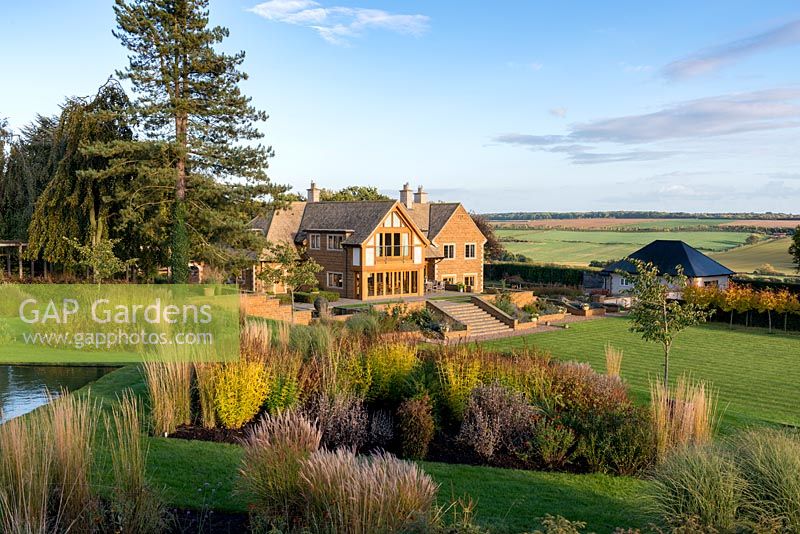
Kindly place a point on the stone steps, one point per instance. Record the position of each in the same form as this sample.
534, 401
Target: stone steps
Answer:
479, 322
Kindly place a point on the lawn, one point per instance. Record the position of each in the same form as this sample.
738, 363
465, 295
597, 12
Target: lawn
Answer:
757, 374
748, 258
581, 247
197, 474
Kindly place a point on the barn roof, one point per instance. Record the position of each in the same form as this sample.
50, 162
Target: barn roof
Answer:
666, 255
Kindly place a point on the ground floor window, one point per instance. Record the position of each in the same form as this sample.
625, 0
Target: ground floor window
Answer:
449, 279
335, 280
357, 282
469, 280
392, 283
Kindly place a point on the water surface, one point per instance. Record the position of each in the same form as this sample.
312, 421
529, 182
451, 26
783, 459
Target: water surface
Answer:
24, 388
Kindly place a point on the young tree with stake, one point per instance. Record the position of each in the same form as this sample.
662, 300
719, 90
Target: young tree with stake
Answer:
656, 316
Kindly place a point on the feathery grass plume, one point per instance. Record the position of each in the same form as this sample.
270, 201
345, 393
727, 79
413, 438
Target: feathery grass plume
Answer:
379, 494
613, 360
255, 340
698, 485
169, 382
684, 414
205, 383
72, 423
274, 451
134, 507
26, 469
769, 461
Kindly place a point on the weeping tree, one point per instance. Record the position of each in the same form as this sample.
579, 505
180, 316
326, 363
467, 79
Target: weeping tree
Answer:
188, 97
79, 200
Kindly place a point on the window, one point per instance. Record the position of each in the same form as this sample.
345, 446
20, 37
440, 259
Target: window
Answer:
469, 280
392, 283
393, 244
335, 242
335, 280
469, 250
449, 279
711, 283
313, 241
624, 281
449, 251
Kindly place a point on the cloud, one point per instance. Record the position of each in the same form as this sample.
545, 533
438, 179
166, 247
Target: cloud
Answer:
558, 112
704, 118
635, 68
712, 59
339, 24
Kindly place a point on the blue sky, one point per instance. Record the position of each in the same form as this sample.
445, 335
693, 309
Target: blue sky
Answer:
507, 106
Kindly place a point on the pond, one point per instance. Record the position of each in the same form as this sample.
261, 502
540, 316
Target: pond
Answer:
24, 388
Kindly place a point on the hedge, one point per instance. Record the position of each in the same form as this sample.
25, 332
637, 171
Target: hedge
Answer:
303, 296
533, 273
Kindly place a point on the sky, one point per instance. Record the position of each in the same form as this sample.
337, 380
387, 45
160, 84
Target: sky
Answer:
505, 106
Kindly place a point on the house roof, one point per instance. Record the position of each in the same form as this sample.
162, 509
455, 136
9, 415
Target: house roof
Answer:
666, 255
357, 219
431, 218
282, 225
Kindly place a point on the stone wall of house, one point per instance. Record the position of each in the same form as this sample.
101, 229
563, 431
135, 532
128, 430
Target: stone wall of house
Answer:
271, 308
331, 261
459, 231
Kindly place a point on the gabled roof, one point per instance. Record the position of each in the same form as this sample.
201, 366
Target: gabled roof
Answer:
666, 255
358, 219
431, 218
280, 226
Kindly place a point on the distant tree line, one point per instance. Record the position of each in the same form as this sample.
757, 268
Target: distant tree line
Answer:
538, 215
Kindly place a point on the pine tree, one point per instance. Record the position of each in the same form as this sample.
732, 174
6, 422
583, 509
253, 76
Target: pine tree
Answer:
189, 96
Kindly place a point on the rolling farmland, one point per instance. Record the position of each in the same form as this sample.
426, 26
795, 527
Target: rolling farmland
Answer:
577, 242
572, 247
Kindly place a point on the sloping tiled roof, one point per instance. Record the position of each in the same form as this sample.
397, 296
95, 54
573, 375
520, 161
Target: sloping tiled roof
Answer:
431, 217
666, 255
282, 225
357, 218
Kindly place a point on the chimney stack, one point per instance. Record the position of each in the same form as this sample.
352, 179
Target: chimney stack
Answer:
313, 193
405, 196
420, 197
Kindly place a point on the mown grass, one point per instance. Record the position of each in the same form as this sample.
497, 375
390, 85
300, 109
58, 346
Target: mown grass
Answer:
756, 373
202, 475
580, 247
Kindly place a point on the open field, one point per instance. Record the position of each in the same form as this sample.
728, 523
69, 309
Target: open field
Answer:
750, 257
759, 223
579, 248
200, 474
602, 223
756, 373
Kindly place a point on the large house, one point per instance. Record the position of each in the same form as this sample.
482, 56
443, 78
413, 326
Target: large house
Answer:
666, 255
379, 249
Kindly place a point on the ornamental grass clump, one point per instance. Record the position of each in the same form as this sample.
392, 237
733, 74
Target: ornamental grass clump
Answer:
698, 485
685, 414
345, 493
26, 469
274, 452
134, 508
205, 385
169, 383
769, 461
342, 419
613, 360
459, 373
71, 422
